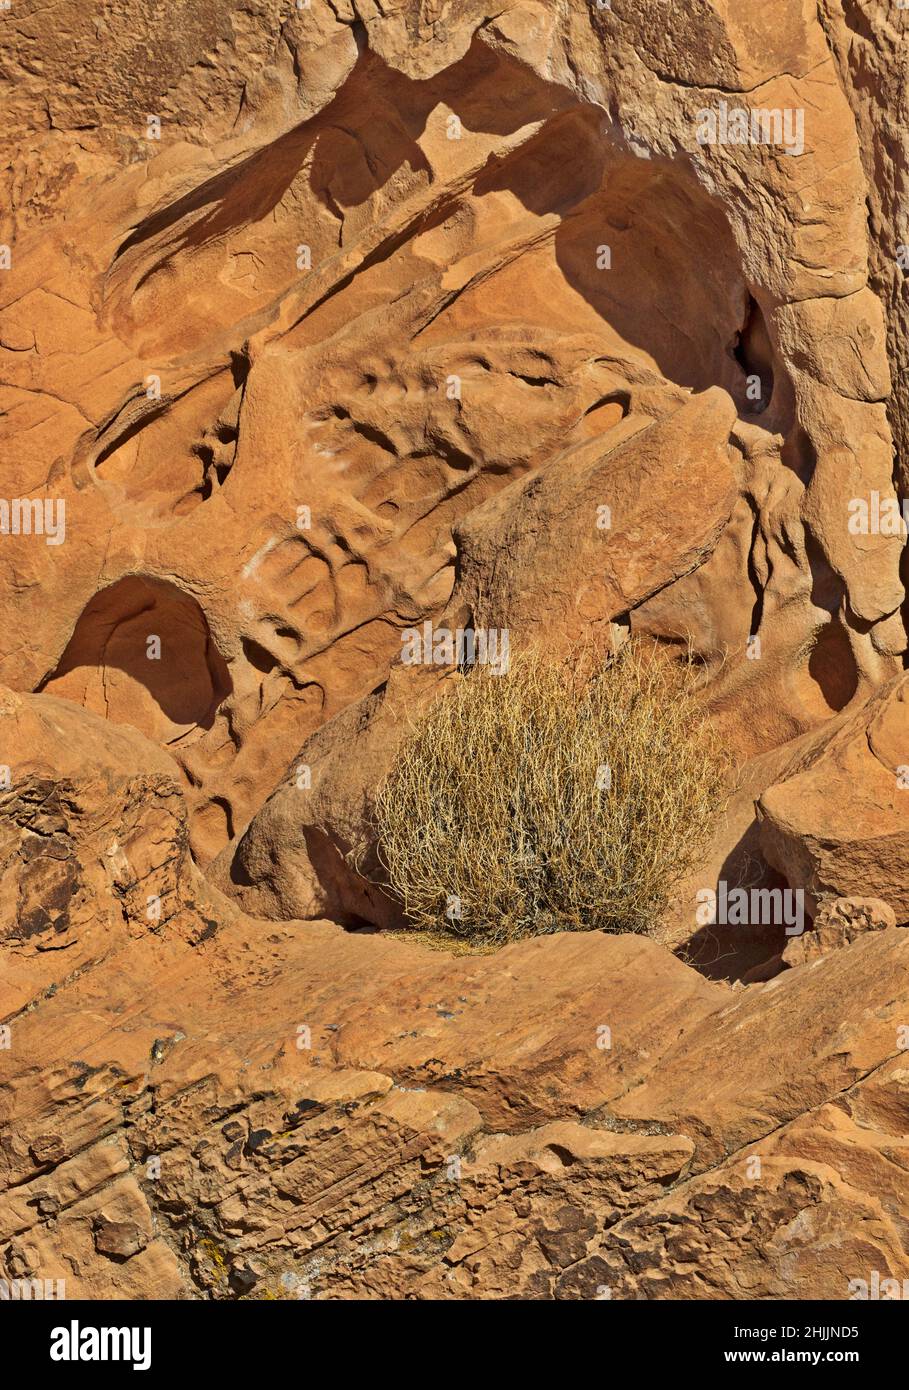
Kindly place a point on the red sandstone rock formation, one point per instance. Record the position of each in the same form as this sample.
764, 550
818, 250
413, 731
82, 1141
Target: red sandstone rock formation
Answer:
321, 322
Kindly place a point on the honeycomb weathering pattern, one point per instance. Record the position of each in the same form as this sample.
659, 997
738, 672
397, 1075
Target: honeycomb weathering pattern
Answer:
323, 321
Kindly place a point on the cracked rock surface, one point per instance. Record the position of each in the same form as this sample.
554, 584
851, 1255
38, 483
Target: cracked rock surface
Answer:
218, 1107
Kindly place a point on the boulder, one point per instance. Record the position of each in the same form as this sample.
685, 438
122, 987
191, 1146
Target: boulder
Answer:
836, 823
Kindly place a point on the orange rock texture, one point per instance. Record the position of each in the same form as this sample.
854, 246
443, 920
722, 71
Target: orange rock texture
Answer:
325, 320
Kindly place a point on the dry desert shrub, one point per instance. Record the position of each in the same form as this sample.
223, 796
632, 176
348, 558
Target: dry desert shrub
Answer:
561, 796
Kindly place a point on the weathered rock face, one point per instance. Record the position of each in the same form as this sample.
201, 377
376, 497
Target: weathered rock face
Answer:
837, 823
201, 1106
838, 923
642, 550
377, 268
320, 322
868, 45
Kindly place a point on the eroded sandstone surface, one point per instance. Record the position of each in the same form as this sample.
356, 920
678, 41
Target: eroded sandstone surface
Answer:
323, 321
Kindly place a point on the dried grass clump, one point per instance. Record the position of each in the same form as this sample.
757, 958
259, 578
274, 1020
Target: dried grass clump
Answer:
561, 796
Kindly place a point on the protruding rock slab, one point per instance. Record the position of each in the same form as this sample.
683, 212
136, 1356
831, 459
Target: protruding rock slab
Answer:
837, 822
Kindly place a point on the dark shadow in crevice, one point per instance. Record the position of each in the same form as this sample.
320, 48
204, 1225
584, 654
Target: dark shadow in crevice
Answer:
753, 352
728, 952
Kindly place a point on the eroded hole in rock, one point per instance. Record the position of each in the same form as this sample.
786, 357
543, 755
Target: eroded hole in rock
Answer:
831, 669
141, 653
754, 353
